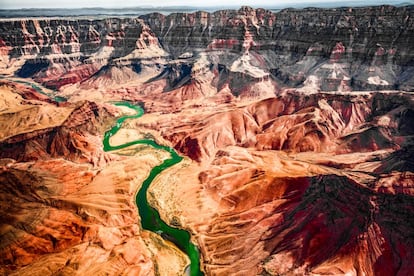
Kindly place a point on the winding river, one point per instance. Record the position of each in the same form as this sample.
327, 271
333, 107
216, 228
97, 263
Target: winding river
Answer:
150, 218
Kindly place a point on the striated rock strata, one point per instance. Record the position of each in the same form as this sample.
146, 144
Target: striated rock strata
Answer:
328, 49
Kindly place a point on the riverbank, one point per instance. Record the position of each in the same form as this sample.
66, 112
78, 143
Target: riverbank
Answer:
150, 218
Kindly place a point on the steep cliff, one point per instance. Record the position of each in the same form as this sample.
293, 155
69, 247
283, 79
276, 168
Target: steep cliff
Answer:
36, 130
332, 49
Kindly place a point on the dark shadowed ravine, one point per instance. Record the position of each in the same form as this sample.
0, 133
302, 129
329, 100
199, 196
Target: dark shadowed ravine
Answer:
150, 218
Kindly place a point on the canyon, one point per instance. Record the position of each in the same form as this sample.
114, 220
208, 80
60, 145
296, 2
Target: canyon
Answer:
295, 131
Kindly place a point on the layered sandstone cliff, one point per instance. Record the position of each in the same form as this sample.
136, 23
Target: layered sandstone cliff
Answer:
332, 49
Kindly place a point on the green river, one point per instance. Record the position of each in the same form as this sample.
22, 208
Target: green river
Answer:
150, 218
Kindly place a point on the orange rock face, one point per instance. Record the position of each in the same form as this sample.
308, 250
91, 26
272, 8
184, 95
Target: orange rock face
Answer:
66, 206
316, 224
295, 122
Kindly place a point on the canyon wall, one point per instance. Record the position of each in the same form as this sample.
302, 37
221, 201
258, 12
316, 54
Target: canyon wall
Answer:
330, 49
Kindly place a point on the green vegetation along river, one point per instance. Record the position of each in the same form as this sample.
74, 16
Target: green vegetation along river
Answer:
150, 218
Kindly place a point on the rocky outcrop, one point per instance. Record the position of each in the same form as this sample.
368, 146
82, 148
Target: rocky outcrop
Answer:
364, 48
57, 52
272, 212
63, 217
304, 225
303, 184
73, 134
298, 123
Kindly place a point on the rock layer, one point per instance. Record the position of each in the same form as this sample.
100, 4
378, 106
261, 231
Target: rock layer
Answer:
332, 49
295, 122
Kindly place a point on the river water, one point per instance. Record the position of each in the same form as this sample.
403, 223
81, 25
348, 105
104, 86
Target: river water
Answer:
150, 218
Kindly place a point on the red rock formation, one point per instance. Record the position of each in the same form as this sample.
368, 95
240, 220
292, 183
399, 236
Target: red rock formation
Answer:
275, 208
75, 139
268, 221
294, 122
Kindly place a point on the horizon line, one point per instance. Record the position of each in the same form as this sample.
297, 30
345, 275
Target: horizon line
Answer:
319, 3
